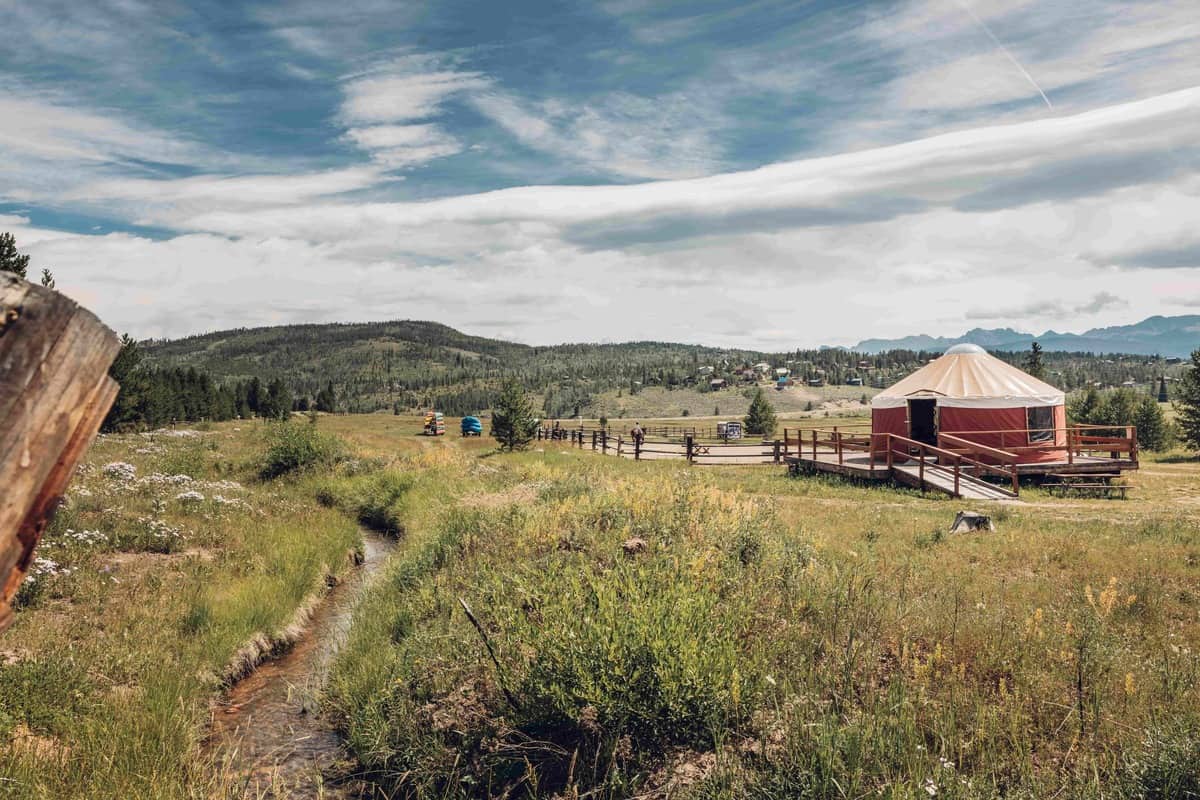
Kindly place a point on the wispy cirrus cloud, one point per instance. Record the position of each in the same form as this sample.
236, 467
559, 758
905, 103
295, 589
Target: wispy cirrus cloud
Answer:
389, 109
371, 159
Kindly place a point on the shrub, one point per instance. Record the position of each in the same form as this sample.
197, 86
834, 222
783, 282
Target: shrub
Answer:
378, 500
293, 447
1167, 764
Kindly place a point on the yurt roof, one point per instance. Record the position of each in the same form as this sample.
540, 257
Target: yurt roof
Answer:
968, 376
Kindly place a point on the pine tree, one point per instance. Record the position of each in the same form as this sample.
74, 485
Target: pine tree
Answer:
1187, 403
1151, 424
1163, 397
125, 409
513, 425
760, 419
1033, 362
47, 279
1083, 407
11, 260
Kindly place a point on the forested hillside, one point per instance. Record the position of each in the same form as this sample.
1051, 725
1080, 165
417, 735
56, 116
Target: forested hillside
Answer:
407, 365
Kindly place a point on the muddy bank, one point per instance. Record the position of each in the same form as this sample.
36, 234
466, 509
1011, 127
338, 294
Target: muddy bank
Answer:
267, 732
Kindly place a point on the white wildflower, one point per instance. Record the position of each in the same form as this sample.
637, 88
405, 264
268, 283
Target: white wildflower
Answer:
190, 496
120, 471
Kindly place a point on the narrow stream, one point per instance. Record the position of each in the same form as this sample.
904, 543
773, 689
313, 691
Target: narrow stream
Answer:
268, 729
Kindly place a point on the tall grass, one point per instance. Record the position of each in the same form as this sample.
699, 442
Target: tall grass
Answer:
107, 675
742, 635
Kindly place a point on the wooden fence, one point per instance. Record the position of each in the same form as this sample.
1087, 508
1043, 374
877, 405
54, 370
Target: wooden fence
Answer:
688, 447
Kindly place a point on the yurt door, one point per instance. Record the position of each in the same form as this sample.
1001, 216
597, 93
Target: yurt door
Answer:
922, 421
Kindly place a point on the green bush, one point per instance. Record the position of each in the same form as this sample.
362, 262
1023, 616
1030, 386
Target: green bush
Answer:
378, 500
1167, 765
292, 447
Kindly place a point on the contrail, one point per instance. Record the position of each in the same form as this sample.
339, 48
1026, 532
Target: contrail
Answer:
1006, 52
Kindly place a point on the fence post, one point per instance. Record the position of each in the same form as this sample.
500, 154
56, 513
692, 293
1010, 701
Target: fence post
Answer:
814, 443
593, 441
688, 445
637, 449
620, 442
604, 441
957, 466
921, 470
777, 459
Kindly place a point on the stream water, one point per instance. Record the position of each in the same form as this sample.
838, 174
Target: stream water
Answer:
268, 729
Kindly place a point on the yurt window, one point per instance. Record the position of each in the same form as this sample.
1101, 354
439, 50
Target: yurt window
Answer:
1040, 421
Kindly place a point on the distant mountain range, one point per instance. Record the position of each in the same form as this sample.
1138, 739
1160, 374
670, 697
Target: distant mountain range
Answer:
1164, 336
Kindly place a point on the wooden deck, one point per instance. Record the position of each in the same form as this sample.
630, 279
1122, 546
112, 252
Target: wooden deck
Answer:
938, 478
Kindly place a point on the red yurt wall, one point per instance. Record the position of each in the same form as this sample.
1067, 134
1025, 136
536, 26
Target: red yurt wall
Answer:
965, 421
888, 420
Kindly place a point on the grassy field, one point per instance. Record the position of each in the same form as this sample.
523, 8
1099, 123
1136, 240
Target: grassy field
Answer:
795, 401
646, 630
643, 629
171, 565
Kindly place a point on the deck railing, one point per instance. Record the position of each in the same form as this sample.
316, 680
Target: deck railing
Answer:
1111, 441
959, 456
952, 461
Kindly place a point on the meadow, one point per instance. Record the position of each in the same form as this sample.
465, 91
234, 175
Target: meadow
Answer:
635, 629
649, 630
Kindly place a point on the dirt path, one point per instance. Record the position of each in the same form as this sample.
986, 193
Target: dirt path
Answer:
268, 730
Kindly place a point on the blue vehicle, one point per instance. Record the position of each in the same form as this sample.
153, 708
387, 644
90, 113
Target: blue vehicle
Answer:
471, 426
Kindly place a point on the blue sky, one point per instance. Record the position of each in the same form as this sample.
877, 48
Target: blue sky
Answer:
771, 174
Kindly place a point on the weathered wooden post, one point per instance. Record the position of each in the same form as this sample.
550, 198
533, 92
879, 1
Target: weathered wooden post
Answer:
604, 441
593, 441
689, 445
637, 448
54, 393
777, 451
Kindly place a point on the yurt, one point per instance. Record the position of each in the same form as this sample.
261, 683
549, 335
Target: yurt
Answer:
974, 396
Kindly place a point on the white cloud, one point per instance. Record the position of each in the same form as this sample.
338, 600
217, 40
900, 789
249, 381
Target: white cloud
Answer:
661, 137
404, 145
388, 109
816, 251
41, 127
407, 89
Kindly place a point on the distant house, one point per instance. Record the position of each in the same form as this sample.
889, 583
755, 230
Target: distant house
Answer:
1174, 360
816, 381
749, 375
705, 370
762, 366
864, 364
1129, 384
716, 383
854, 382
782, 372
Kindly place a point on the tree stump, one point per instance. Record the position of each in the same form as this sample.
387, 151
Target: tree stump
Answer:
54, 393
967, 521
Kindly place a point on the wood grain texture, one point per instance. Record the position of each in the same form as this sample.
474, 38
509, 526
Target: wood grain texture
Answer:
54, 394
